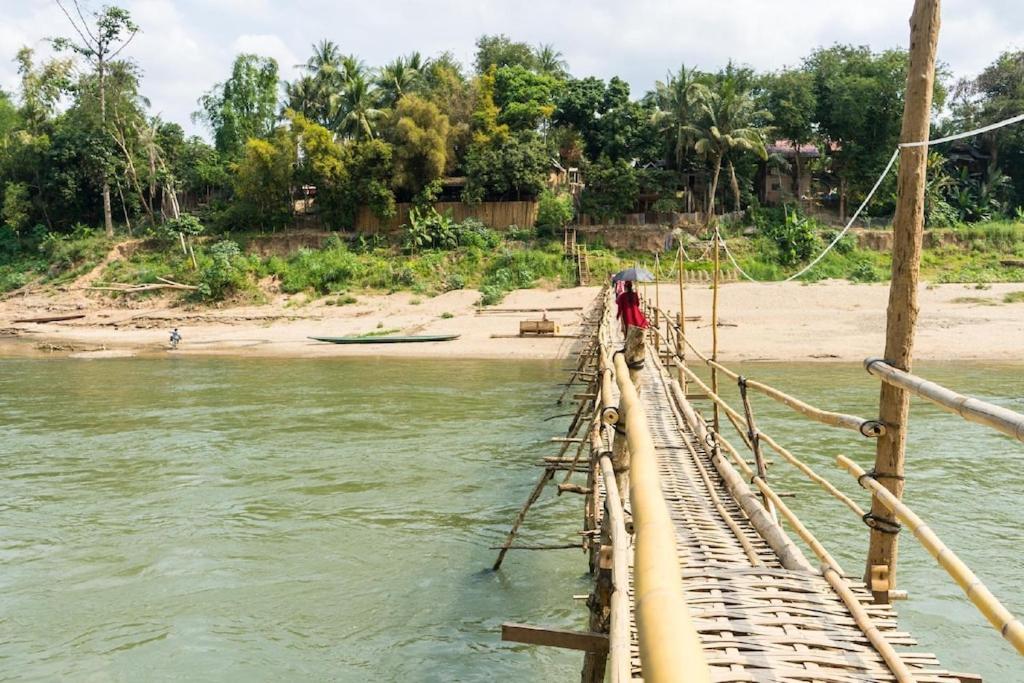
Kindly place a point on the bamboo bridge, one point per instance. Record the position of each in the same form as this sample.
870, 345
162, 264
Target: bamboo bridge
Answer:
696, 578
698, 575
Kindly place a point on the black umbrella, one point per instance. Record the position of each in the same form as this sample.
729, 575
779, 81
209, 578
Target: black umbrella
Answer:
635, 274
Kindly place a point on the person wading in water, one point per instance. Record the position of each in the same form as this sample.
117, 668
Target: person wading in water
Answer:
629, 309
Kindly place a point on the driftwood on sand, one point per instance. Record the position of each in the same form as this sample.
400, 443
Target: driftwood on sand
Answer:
131, 289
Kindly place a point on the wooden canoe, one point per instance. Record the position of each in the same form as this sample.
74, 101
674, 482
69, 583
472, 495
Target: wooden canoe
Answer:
388, 339
50, 319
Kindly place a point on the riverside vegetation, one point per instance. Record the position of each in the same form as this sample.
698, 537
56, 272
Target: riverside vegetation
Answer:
79, 148
437, 255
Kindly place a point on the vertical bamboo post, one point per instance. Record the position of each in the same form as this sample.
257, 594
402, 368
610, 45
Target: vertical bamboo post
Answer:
901, 316
714, 326
680, 343
657, 304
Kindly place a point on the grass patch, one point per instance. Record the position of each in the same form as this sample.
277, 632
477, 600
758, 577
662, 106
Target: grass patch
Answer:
978, 300
1013, 297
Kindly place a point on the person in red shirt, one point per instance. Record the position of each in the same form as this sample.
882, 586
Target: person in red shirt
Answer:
629, 309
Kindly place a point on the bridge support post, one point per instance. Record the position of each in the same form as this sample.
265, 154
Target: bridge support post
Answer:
901, 317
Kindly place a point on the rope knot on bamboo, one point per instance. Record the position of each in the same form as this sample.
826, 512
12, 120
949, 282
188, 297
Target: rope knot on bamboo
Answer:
875, 474
881, 524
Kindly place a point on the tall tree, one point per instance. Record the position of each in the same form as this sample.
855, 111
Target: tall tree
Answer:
729, 123
99, 42
789, 96
399, 77
551, 62
500, 50
678, 100
997, 93
358, 111
242, 107
419, 136
859, 96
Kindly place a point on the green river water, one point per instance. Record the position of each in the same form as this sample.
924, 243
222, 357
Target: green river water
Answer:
257, 520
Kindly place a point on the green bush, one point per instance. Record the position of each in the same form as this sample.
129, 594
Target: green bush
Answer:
224, 271
554, 211
794, 237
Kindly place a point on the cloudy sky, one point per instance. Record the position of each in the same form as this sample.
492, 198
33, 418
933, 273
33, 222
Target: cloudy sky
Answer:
187, 45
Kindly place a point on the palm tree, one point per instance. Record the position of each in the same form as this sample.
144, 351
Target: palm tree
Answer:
728, 125
356, 111
550, 61
326, 58
678, 102
300, 95
352, 68
399, 78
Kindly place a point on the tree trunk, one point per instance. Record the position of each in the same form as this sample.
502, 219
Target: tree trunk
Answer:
901, 315
714, 190
735, 187
796, 167
108, 218
842, 200
124, 208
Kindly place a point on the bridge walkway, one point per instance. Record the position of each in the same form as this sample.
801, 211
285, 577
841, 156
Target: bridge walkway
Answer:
757, 620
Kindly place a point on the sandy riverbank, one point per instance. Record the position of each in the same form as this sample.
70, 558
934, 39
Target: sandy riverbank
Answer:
828, 321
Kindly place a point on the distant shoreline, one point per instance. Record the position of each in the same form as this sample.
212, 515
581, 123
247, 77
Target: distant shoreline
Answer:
824, 322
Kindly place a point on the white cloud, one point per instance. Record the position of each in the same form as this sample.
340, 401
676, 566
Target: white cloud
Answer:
267, 45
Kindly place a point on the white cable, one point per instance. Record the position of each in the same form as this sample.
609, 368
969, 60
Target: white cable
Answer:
961, 136
892, 160
725, 245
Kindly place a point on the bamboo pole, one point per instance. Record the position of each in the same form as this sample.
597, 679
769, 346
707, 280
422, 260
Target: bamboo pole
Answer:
714, 328
609, 410
680, 347
755, 445
670, 648
971, 409
901, 316
618, 631
1009, 626
657, 303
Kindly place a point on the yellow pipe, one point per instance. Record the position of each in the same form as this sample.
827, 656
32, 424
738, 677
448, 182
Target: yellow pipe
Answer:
1009, 626
670, 648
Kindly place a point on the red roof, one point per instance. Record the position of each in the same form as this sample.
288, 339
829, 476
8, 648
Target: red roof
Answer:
787, 148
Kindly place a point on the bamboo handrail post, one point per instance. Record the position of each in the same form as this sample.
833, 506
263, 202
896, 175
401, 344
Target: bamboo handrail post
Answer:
1009, 626
657, 302
714, 329
901, 315
680, 347
755, 446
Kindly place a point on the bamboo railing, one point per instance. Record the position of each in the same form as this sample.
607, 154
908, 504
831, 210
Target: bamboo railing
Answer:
971, 409
670, 648
1008, 626
869, 428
